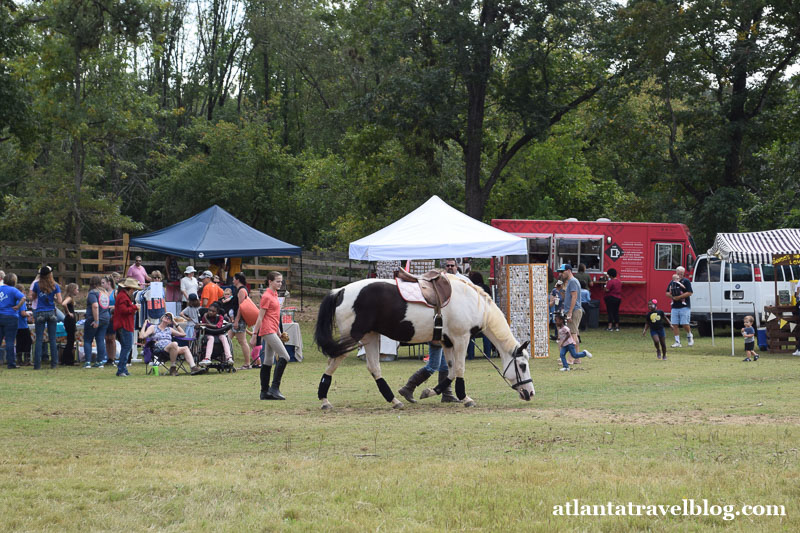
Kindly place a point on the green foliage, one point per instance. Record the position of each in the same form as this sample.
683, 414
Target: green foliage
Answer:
321, 122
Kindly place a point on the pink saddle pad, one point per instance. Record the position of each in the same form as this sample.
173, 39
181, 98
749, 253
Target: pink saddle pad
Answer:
410, 292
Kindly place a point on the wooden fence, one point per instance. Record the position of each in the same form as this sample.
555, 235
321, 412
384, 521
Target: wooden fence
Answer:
323, 271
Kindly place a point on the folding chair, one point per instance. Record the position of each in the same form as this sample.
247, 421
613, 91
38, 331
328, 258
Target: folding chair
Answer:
160, 358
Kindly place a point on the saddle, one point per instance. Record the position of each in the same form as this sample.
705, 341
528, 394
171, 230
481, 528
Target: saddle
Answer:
436, 291
434, 285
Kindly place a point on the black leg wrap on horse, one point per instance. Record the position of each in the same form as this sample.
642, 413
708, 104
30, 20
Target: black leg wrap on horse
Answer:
461, 390
444, 384
385, 389
324, 385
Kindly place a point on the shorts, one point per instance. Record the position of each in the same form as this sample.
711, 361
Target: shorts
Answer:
680, 315
749, 346
242, 327
575, 323
658, 332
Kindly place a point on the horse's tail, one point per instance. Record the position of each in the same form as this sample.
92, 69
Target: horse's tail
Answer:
323, 335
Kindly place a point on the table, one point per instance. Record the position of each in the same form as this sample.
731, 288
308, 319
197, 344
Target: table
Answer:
295, 338
388, 350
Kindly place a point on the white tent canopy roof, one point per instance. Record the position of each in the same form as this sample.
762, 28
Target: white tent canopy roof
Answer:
757, 247
436, 230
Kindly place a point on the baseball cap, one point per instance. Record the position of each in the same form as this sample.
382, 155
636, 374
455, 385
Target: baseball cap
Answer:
565, 266
206, 274
559, 282
653, 301
192, 297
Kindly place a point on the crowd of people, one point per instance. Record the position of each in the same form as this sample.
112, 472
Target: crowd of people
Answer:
117, 307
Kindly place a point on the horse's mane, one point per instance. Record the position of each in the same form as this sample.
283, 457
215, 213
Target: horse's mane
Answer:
495, 320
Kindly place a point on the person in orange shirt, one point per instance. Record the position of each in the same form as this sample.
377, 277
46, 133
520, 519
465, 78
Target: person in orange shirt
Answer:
268, 327
211, 292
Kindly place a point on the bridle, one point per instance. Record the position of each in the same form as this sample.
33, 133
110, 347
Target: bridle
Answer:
514, 359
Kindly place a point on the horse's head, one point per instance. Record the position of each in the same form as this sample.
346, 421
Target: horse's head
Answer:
517, 371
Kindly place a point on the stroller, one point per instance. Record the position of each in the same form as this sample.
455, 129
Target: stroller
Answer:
201, 333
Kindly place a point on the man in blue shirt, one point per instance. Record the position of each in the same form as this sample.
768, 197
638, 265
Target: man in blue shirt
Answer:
572, 302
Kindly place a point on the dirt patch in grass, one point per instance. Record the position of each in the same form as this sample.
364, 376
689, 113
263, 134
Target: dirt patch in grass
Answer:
670, 418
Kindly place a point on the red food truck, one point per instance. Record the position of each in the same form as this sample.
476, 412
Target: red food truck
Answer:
644, 254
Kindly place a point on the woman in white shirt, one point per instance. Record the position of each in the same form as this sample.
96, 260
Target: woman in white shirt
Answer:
188, 285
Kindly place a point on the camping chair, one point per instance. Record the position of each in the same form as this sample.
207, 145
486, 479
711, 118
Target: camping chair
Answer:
160, 358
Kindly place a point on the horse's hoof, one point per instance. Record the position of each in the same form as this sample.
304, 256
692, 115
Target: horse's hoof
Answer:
398, 405
469, 402
427, 393
326, 406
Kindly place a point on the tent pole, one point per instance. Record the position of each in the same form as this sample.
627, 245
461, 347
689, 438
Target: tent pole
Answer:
730, 303
302, 287
710, 299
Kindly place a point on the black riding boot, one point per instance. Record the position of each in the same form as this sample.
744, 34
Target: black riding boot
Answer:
274, 391
265, 371
418, 378
447, 392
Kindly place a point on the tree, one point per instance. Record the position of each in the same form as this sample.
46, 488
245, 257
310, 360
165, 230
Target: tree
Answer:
491, 76
719, 68
88, 104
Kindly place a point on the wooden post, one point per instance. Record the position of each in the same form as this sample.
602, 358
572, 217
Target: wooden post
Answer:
62, 255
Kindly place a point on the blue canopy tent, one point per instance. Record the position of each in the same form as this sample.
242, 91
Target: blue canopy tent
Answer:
214, 234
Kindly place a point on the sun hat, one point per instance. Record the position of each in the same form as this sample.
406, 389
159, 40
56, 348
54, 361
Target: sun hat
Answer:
189, 270
130, 283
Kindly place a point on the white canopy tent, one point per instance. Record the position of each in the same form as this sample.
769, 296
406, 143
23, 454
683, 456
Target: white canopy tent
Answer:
773, 247
436, 230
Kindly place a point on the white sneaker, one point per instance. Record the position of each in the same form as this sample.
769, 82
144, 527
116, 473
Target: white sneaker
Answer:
691, 341
797, 352
205, 362
676, 345
563, 368
588, 354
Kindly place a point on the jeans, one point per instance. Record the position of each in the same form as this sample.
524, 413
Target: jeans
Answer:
126, 343
436, 361
571, 349
8, 331
99, 336
42, 318
487, 347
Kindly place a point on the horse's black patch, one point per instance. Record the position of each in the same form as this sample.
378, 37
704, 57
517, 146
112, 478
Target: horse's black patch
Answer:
379, 308
339, 297
474, 331
447, 342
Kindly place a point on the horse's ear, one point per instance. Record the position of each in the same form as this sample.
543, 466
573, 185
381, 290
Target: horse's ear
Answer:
523, 347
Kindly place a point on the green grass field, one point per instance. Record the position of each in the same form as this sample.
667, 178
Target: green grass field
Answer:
86, 451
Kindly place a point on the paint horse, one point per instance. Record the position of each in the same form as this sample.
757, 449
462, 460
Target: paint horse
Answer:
366, 309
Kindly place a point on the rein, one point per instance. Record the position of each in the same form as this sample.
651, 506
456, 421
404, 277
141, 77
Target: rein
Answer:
503, 373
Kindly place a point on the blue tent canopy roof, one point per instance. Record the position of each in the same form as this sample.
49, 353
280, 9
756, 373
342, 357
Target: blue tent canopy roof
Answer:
213, 234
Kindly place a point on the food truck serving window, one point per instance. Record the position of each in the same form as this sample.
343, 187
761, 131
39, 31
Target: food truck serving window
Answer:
668, 255
538, 249
577, 250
